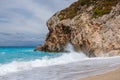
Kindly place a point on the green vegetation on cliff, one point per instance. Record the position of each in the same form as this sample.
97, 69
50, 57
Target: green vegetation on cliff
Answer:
101, 7
104, 7
69, 12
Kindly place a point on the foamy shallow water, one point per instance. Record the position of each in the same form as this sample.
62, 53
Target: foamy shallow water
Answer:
24, 64
70, 71
17, 66
20, 59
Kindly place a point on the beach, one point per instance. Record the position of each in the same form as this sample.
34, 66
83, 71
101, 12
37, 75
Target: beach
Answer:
60, 40
69, 71
112, 75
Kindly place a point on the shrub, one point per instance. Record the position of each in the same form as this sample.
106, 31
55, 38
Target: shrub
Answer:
101, 7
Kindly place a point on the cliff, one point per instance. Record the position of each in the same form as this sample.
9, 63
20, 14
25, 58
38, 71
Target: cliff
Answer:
91, 26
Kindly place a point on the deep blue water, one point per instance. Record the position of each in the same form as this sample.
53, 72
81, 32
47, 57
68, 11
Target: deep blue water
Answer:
8, 55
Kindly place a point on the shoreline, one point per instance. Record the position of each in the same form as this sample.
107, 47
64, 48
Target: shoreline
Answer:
111, 75
70, 71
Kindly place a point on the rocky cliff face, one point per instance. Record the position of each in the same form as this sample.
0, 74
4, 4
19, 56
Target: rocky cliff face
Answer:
91, 26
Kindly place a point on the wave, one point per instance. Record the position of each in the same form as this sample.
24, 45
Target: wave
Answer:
72, 56
16, 66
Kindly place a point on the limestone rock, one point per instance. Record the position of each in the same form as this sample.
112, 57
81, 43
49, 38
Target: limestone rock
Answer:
91, 26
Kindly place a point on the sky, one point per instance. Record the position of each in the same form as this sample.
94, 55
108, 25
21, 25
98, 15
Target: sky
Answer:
23, 22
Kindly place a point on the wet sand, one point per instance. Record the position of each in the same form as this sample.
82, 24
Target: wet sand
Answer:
112, 75
71, 71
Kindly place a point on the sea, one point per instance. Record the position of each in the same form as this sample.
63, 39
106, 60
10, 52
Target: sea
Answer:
13, 59
16, 63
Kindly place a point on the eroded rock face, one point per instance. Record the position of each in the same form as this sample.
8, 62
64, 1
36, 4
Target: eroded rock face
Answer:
57, 38
86, 28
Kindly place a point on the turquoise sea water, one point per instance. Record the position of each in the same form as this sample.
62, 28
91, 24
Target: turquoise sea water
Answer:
15, 59
25, 64
8, 55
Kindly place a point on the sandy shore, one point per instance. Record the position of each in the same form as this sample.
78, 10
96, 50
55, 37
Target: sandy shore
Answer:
113, 75
70, 71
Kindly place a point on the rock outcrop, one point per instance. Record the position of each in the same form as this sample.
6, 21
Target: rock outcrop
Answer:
91, 26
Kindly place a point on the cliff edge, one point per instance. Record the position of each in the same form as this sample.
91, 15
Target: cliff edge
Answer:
91, 26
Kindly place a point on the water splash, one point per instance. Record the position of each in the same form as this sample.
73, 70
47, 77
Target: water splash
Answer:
65, 58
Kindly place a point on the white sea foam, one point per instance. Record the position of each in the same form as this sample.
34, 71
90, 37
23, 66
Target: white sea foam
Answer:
16, 66
76, 70
45, 61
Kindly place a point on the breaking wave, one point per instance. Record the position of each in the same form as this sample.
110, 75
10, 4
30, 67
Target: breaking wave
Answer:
15, 66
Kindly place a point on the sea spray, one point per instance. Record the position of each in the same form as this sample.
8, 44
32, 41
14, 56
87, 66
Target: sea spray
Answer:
16, 66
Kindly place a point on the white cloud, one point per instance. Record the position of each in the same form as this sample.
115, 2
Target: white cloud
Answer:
19, 21
28, 16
